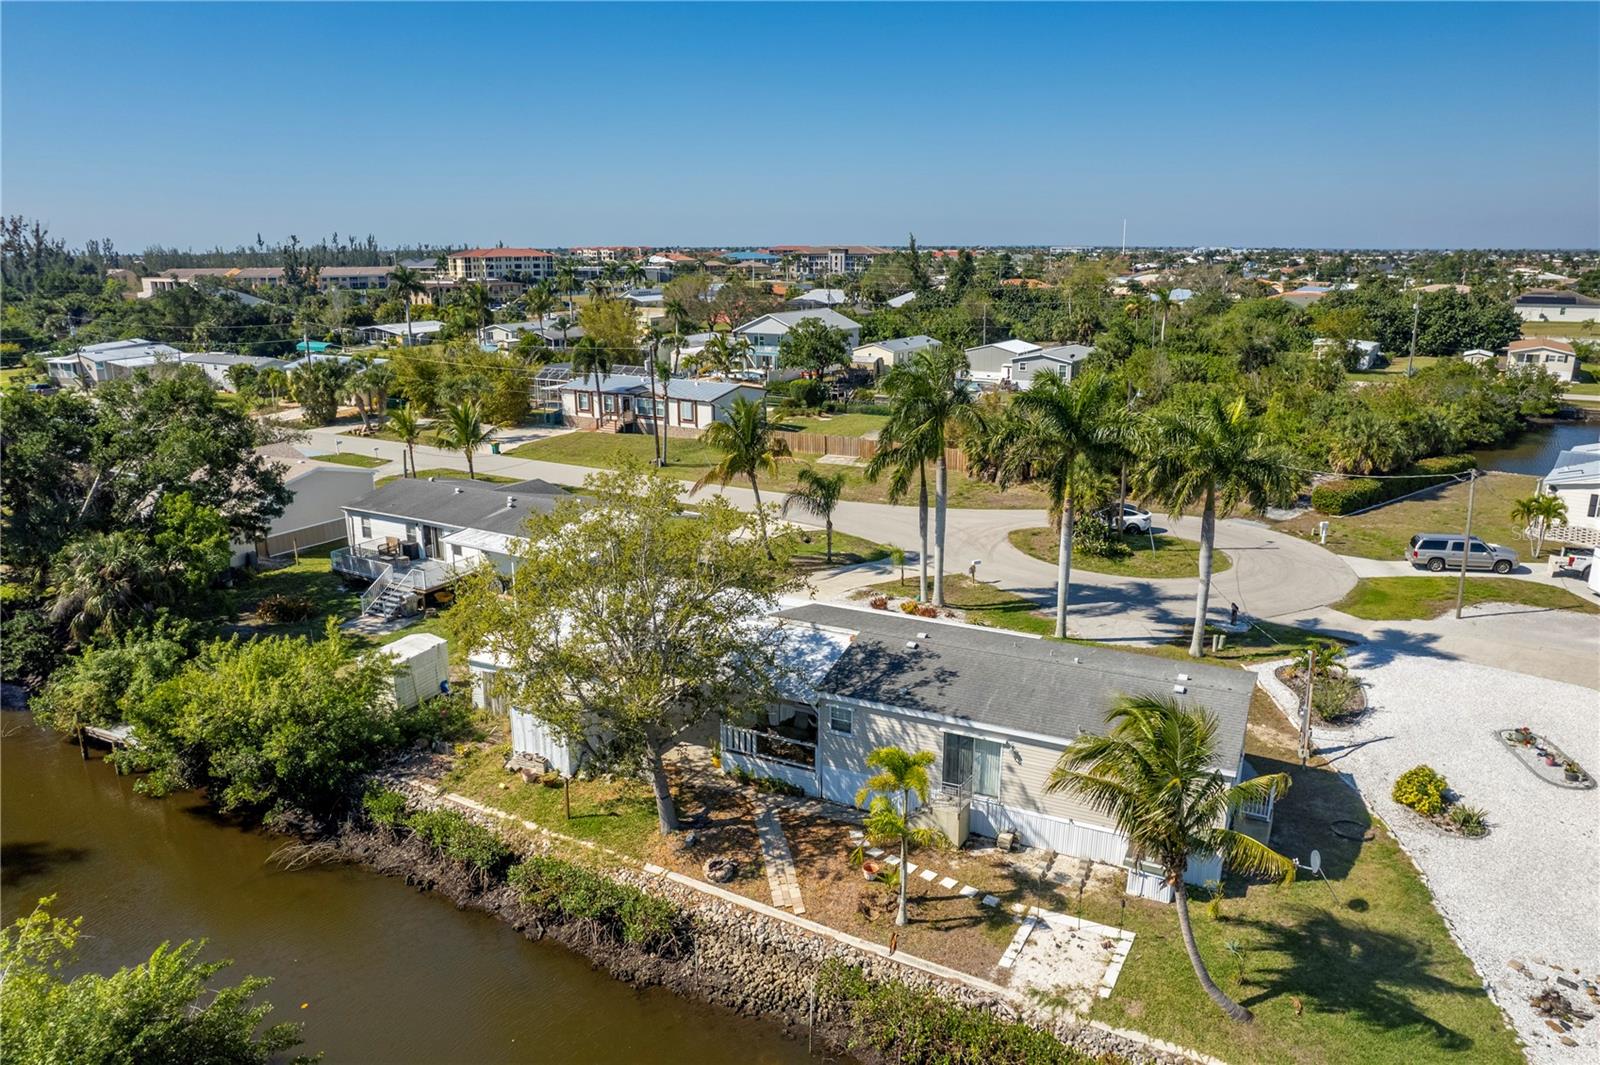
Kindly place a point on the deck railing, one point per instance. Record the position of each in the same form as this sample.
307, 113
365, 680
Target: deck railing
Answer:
760, 743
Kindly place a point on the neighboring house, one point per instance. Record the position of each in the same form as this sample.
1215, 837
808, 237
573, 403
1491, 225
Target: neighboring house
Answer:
95, 364
766, 333
315, 514
881, 355
996, 709
419, 331
1066, 361
624, 402
216, 364
991, 363
1575, 478
438, 290
1368, 354
821, 297
414, 537
360, 278
1302, 297
1554, 357
1479, 356
1556, 305
693, 346
650, 305
901, 300
504, 335
482, 264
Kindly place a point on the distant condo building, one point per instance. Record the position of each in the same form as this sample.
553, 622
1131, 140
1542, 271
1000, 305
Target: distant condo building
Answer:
818, 261
483, 264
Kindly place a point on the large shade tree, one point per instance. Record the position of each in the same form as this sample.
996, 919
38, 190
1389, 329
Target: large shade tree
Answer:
1213, 455
1155, 774
629, 621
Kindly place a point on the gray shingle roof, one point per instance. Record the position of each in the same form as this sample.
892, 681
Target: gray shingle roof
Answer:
461, 503
1012, 681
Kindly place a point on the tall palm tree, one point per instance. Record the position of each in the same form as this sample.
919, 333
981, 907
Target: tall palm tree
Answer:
1162, 298
1539, 512
928, 398
903, 460
662, 372
725, 354
1155, 774
900, 775
634, 274
105, 581
539, 301
463, 430
369, 391
567, 282
817, 494
405, 282
599, 288
749, 444
1212, 454
407, 425
475, 301
1065, 426
592, 360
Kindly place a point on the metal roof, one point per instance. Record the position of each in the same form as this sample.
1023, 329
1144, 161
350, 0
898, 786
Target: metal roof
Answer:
789, 319
1015, 682
899, 345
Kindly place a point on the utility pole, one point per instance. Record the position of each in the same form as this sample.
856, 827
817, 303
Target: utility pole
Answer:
1124, 236
1305, 711
1416, 311
1466, 543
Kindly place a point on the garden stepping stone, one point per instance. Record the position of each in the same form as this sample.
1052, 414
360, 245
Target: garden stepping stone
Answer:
876, 852
990, 900
969, 891
926, 874
948, 882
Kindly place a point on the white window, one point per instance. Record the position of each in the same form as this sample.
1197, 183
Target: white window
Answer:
840, 719
366, 528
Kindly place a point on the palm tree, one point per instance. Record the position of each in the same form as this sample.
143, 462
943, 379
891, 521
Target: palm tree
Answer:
563, 323
903, 460
539, 301
817, 494
567, 282
463, 430
407, 425
1065, 426
900, 775
106, 580
1162, 298
404, 283
662, 372
369, 390
599, 288
1214, 455
475, 303
1155, 774
594, 361
634, 274
1539, 511
725, 354
929, 397
749, 444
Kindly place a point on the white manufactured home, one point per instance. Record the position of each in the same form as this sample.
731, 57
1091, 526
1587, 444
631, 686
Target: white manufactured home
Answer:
995, 708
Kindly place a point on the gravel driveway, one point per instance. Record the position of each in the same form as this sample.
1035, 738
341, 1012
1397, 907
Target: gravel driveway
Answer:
1528, 891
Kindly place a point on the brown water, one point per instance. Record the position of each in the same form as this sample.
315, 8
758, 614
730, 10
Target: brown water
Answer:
387, 974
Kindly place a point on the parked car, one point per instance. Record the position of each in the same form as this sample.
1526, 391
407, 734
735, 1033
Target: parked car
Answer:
43, 388
1578, 560
1134, 519
1442, 551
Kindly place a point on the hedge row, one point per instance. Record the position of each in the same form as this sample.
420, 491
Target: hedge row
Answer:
559, 889
1357, 493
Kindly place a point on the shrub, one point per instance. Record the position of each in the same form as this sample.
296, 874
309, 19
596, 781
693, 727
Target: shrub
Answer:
559, 889
908, 606
283, 609
879, 602
384, 806
927, 610
1470, 820
1348, 494
1095, 537
450, 833
807, 393
552, 779
1422, 789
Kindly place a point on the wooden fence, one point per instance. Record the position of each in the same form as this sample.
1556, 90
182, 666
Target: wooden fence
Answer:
856, 447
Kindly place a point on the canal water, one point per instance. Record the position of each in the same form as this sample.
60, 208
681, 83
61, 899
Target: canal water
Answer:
1535, 450
385, 973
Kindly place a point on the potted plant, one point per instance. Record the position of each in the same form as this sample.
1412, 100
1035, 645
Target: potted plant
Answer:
1549, 758
1572, 771
870, 869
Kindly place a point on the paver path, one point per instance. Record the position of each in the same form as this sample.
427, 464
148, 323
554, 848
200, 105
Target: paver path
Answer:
775, 856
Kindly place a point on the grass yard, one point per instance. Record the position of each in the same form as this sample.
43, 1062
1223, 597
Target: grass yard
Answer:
1172, 557
1575, 330
690, 459
1365, 974
310, 575
1396, 367
1386, 532
836, 424
1421, 598
346, 458
806, 549
983, 604
445, 472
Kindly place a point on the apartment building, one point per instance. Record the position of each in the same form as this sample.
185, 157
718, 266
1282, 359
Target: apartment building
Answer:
819, 261
483, 264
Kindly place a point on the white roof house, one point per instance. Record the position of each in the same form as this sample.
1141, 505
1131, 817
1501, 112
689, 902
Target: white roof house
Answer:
895, 351
901, 300
990, 362
1066, 361
1575, 478
419, 331
823, 297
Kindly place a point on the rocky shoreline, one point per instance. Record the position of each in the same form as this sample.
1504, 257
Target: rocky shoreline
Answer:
735, 957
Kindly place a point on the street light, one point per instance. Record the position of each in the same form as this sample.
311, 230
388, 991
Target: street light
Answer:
1416, 311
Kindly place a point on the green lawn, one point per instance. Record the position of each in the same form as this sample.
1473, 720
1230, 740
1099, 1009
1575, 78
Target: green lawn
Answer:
1365, 974
836, 424
689, 459
806, 549
384, 432
982, 603
445, 472
1420, 598
1172, 557
1577, 330
620, 814
311, 576
1386, 532
1397, 365
346, 458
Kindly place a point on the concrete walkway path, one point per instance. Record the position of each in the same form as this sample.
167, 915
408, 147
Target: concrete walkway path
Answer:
781, 875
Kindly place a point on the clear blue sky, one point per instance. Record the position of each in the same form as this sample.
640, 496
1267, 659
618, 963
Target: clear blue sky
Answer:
1335, 125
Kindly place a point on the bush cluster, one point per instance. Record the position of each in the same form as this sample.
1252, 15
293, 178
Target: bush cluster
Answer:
911, 1026
450, 833
770, 785
282, 609
1092, 536
1349, 494
565, 891
385, 807
1422, 789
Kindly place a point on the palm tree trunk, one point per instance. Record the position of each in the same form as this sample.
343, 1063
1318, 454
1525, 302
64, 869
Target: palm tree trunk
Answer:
941, 490
1122, 499
472, 474
828, 525
761, 516
409, 339
922, 528
1224, 1003
666, 814
900, 913
1202, 598
1064, 564
411, 449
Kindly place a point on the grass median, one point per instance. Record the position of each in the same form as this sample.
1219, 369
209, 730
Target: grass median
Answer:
1171, 556
1385, 532
1421, 598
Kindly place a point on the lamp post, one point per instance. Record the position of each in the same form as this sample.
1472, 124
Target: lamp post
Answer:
1416, 312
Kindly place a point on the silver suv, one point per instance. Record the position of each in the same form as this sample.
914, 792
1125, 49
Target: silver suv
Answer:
1442, 551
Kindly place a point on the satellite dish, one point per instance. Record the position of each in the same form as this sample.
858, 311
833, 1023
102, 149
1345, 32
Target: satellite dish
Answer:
1316, 861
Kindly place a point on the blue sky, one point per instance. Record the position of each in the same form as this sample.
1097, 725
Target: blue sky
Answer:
1335, 125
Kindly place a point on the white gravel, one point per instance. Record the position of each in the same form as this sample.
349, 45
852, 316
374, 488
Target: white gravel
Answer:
1530, 891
